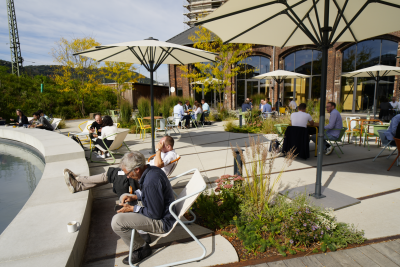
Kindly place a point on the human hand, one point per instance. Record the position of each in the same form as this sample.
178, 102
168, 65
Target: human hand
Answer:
160, 145
126, 199
126, 208
11, 119
99, 130
91, 130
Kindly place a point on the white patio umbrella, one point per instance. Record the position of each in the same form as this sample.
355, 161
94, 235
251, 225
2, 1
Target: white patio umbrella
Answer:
151, 53
376, 72
299, 22
280, 76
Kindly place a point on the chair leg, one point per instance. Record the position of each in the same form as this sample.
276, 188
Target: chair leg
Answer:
339, 147
392, 153
380, 153
393, 162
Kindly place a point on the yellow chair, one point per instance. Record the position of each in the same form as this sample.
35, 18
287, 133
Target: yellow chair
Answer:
143, 128
85, 131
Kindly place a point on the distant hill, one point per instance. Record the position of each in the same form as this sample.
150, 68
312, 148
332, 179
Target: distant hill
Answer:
48, 70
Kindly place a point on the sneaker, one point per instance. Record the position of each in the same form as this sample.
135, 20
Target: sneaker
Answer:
108, 155
70, 182
139, 254
70, 172
329, 150
103, 156
146, 237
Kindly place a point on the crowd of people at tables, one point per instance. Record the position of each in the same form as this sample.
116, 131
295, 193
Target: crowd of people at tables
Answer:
40, 120
187, 112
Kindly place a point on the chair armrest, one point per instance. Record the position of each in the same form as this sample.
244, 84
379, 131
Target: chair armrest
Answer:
152, 156
182, 174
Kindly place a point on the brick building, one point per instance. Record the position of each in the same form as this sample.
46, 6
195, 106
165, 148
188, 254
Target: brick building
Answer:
355, 94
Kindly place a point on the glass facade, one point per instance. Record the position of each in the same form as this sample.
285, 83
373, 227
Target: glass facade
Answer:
358, 93
305, 62
246, 85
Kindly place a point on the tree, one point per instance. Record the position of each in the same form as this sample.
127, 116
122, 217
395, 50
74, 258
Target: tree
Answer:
123, 74
76, 74
216, 76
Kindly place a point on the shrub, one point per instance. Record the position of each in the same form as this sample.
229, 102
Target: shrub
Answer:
125, 112
257, 99
143, 105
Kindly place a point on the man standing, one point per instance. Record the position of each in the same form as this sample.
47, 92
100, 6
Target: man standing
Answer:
335, 122
165, 153
147, 210
205, 106
301, 118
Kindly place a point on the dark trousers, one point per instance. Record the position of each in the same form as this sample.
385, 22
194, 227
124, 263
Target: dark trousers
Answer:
187, 118
44, 127
100, 142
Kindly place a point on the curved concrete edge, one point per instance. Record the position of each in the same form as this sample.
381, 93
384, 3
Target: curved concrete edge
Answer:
38, 234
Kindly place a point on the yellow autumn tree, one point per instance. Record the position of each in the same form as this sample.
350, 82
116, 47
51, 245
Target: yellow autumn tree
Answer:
215, 75
123, 74
76, 74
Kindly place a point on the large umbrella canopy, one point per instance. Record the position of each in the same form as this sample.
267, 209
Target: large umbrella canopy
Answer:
298, 22
279, 76
376, 72
151, 53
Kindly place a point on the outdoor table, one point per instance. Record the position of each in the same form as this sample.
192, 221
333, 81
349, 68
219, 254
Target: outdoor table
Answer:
365, 121
155, 117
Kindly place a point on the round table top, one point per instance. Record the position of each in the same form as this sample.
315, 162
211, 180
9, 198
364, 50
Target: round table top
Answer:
155, 117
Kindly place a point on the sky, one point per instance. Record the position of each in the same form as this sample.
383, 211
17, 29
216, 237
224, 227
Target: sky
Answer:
42, 23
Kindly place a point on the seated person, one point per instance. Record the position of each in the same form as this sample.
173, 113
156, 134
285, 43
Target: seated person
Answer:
165, 153
246, 106
108, 129
395, 104
260, 107
41, 123
21, 119
205, 106
266, 108
197, 111
335, 122
301, 118
179, 113
392, 131
43, 115
187, 105
145, 211
292, 104
96, 125
115, 176
278, 104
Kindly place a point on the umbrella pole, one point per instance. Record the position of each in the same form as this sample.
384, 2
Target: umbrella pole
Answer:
375, 93
324, 72
153, 150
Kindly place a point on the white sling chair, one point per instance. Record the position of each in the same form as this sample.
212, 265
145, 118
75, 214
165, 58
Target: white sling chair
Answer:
183, 202
55, 123
116, 144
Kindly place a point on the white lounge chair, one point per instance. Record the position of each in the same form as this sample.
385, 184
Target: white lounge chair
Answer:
182, 204
84, 134
55, 123
116, 144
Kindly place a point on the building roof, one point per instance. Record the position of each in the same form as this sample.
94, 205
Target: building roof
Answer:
183, 37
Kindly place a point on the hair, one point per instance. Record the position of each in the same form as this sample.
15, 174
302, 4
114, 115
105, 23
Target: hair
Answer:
334, 104
302, 106
203, 100
169, 141
384, 99
246, 101
36, 114
251, 99
132, 160
95, 114
187, 101
107, 121
179, 102
40, 111
20, 112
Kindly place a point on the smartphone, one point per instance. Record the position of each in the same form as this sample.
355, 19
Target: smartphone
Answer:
118, 207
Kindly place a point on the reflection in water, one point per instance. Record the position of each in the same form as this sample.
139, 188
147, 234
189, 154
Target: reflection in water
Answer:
20, 172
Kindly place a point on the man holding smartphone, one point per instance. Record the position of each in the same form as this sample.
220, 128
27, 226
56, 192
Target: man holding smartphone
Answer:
145, 211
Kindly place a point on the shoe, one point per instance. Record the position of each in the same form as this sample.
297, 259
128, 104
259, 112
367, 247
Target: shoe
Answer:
103, 156
108, 155
70, 182
146, 237
70, 172
329, 150
139, 254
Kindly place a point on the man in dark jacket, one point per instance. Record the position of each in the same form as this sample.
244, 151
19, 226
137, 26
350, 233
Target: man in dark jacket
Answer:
148, 209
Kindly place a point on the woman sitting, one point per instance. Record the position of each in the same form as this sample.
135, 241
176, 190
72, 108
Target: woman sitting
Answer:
21, 120
108, 129
198, 110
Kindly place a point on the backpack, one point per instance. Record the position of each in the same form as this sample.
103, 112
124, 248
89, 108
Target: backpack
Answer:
76, 139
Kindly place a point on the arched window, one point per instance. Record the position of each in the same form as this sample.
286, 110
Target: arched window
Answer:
246, 85
362, 55
304, 62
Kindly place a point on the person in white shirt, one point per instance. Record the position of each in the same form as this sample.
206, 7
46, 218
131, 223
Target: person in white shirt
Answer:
301, 118
293, 105
108, 129
198, 110
165, 153
395, 104
262, 103
179, 113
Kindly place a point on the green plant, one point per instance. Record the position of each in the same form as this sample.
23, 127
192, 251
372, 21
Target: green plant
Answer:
125, 112
257, 100
143, 105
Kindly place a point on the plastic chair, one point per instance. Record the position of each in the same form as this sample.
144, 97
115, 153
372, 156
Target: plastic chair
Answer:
378, 128
55, 123
162, 127
177, 119
351, 125
175, 162
84, 132
171, 124
116, 144
143, 128
397, 142
331, 141
182, 204
386, 143
197, 121
137, 126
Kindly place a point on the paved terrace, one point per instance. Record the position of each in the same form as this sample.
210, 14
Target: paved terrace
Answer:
208, 149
